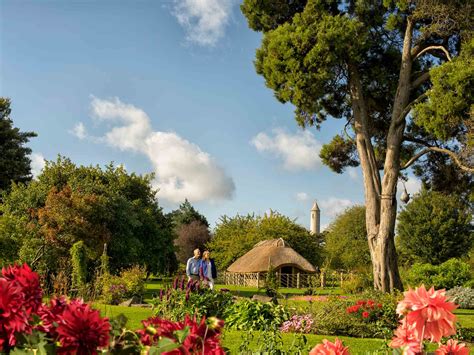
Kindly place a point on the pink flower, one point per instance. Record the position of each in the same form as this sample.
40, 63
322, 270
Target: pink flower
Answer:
428, 313
452, 347
328, 348
406, 339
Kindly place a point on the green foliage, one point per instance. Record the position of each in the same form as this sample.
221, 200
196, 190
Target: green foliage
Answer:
346, 240
130, 282
339, 154
463, 296
434, 228
14, 159
267, 15
134, 280
360, 281
68, 203
234, 236
449, 274
79, 265
175, 304
253, 315
186, 214
450, 103
271, 283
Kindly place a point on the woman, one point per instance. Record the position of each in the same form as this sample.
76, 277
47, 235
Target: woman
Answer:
207, 270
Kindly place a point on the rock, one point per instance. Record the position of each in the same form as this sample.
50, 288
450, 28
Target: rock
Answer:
261, 298
128, 303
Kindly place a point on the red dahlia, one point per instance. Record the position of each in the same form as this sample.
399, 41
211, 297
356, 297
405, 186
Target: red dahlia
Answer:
13, 318
28, 282
81, 330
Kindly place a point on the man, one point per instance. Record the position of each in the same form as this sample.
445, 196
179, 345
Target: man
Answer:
192, 266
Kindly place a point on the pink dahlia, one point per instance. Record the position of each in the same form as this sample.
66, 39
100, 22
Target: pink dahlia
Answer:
428, 313
328, 348
406, 340
452, 347
81, 330
28, 282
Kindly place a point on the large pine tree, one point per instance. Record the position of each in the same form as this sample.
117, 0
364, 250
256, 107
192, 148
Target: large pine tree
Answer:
400, 73
14, 156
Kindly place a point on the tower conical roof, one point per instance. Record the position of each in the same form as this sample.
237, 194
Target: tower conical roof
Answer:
315, 207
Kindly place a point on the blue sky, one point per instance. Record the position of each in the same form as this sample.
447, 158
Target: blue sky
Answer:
166, 87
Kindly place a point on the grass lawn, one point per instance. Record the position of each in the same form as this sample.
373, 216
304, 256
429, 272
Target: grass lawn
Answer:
465, 317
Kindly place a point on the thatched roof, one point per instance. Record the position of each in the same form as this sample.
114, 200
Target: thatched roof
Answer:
270, 252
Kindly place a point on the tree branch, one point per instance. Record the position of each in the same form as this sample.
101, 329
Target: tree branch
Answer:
414, 159
420, 80
442, 48
454, 157
408, 108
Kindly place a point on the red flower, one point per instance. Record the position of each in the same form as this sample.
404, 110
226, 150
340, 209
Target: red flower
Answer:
452, 347
154, 328
328, 348
51, 315
28, 282
205, 333
406, 339
81, 330
365, 314
429, 313
13, 318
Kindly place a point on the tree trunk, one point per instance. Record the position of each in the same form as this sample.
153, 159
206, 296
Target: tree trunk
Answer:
380, 196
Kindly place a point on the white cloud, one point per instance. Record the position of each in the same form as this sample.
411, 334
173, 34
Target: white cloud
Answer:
79, 131
181, 168
298, 151
203, 20
302, 196
333, 206
37, 163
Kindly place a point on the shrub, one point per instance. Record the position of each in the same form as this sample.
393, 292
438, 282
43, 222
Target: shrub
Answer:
253, 315
118, 288
134, 280
463, 296
114, 290
338, 316
449, 274
358, 283
79, 264
189, 298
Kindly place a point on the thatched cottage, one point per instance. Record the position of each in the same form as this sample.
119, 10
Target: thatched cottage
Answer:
251, 268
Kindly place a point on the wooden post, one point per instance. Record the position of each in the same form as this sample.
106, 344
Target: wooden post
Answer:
341, 278
258, 280
323, 279
298, 280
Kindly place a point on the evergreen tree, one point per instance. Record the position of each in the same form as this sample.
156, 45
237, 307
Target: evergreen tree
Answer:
400, 73
435, 227
14, 160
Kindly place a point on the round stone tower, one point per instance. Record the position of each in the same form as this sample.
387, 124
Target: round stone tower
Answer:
315, 219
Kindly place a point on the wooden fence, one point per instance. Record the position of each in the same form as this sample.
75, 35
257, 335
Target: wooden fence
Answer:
322, 279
